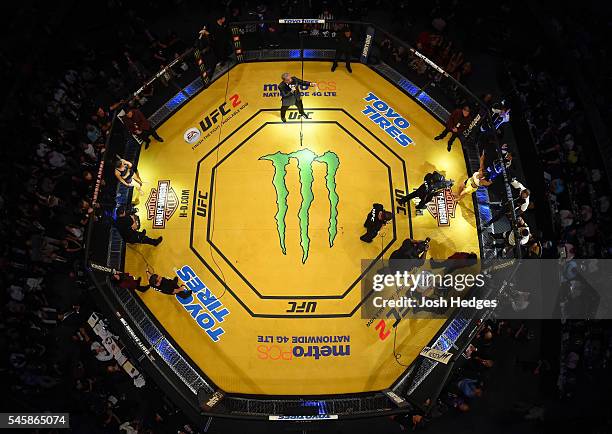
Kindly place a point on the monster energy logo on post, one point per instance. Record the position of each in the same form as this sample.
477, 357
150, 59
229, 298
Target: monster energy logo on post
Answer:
305, 158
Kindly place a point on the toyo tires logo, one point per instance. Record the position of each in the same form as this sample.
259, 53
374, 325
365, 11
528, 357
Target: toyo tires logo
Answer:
305, 160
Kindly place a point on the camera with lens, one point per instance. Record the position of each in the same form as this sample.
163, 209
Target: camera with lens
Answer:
423, 246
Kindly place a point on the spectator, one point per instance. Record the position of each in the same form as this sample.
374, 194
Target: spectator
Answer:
508, 237
521, 204
470, 388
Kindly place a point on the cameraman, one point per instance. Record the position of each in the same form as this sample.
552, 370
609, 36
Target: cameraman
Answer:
168, 286
432, 183
128, 224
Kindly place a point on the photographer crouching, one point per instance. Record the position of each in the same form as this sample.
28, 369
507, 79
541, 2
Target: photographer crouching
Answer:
410, 255
433, 183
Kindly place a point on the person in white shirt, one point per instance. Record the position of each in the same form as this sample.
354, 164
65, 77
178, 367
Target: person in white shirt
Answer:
508, 237
100, 352
522, 203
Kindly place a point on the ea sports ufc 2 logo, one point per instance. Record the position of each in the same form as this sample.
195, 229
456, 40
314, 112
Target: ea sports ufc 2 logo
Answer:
305, 159
213, 117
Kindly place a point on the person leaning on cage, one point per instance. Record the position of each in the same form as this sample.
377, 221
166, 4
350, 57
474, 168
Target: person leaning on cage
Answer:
457, 122
127, 281
136, 122
290, 94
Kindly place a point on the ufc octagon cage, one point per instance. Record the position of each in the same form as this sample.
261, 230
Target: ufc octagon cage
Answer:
176, 84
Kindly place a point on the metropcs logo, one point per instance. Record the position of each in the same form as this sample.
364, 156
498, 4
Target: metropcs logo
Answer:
305, 159
161, 204
443, 207
284, 348
324, 88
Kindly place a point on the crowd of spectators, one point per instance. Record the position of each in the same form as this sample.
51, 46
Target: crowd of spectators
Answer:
51, 359
586, 351
575, 186
583, 30
472, 375
435, 44
577, 190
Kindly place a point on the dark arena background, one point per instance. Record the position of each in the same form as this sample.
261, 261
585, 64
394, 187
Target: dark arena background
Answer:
306, 216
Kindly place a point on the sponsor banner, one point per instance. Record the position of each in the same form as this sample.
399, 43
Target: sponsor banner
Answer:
211, 123
301, 21
475, 122
443, 207
397, 400
324, 88
304, 417
215, 399
437, 355
367, 45
288, 348
387, 119
161, 204
207, 311
429, 62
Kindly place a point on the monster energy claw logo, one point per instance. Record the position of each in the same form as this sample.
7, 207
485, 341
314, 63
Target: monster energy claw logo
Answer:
305, 158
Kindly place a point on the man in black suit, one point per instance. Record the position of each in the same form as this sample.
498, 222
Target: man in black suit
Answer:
128, 224
344, 49
290, 94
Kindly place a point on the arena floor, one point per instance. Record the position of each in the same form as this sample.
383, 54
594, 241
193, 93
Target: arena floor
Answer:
271, 225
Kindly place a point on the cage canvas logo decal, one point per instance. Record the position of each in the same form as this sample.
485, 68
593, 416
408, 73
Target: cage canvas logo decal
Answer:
442, 207
161, 204
305, 160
